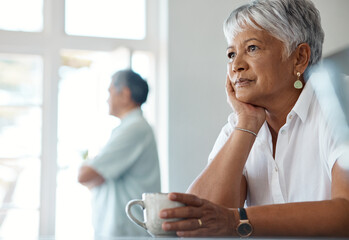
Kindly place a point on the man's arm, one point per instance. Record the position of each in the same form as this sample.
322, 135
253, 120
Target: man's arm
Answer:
90, 177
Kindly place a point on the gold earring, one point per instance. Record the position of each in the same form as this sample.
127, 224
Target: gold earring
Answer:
298, 83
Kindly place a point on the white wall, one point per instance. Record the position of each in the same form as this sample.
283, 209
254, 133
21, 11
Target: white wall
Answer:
334, 20
196, 75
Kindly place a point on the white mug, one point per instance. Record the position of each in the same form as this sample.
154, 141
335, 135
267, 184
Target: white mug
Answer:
152, 204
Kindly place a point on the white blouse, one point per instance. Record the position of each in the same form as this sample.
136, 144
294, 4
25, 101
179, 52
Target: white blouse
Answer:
307, 148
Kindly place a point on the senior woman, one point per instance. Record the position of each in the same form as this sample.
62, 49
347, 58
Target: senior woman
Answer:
276, 155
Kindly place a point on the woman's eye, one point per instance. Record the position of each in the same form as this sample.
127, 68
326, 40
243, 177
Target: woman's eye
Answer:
231, 55
252, 48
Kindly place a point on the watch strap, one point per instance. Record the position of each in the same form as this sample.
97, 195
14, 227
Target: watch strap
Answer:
242, 213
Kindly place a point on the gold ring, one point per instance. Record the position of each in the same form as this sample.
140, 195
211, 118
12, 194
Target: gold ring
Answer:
200, 223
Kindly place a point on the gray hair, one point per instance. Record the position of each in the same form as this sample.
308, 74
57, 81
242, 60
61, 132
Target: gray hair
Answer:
291, 21
138, 86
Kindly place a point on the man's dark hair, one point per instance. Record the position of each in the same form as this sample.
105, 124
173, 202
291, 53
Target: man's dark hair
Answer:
138, 86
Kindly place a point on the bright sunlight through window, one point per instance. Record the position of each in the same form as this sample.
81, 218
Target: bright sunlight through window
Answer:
21, 15
106, 18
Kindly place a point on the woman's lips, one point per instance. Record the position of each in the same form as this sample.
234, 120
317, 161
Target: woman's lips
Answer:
242, 82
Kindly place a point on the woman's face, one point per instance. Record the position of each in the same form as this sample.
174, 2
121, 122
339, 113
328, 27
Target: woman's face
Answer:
258, 69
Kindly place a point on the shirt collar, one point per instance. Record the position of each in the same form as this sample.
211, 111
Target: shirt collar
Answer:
135, 113
301, 108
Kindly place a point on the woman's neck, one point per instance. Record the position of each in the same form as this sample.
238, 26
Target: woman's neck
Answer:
277, 113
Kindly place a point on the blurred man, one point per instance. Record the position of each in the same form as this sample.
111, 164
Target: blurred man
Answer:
128, 165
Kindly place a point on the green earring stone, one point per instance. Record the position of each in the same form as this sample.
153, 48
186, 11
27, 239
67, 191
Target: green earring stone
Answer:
298, 84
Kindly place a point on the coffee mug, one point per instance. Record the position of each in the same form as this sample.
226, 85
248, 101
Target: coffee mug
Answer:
152, 204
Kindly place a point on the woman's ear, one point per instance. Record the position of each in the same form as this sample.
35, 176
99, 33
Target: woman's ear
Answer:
302, 58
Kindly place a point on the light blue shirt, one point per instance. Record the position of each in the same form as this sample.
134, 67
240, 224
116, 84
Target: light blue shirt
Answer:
130, 166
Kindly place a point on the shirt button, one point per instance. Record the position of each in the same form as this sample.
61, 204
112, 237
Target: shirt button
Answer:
283, 132
276, 169
290, 117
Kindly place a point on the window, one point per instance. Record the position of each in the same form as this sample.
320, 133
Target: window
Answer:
20, 138
106, 18
21, 15
41, 98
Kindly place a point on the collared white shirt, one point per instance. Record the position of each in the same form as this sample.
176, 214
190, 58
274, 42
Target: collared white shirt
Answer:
307, 148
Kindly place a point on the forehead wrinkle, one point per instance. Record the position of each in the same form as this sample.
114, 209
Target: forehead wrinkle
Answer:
259, 35
252, 39
246, 41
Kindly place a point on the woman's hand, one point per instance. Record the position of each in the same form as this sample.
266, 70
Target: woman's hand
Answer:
249, 116
200, 217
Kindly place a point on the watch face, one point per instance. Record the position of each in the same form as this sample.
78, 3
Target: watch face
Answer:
245, 229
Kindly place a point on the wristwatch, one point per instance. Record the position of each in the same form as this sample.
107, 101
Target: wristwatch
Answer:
244, 229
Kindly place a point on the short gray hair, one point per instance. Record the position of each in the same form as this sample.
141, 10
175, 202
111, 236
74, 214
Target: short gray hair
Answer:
138, 86
291, 21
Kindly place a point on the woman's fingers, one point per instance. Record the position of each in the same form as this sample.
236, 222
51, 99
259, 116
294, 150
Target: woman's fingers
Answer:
228, 83
188, 228
181, 212
191, 210
187, 199
215, 222
184, 225
231, 99
198, 218
229, 88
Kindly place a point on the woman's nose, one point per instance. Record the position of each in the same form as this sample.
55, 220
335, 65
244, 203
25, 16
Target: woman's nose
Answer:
239, 64
238, 68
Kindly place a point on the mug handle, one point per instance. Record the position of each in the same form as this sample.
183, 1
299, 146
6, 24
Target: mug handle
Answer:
129, 213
